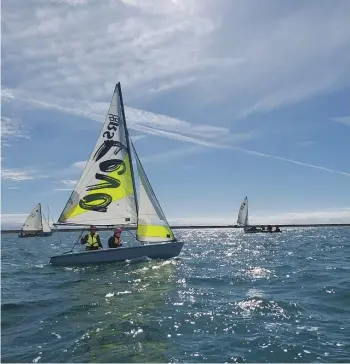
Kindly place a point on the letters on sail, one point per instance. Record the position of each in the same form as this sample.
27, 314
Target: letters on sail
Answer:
33, 221
104, 194
243, 213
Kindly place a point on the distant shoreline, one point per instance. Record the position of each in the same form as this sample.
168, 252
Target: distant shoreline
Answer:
14, 231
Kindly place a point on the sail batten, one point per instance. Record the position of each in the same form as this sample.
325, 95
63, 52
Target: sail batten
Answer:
152, 223
242, 218
105, 193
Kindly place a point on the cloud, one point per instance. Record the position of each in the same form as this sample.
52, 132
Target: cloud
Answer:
80, 165
172, 154
145, 122
222, 134
266, 155
19, 175
13, 188
262, 55
136, 138
157, 47
344, 120
11, 129
138, 120
69, 182
325, 216
70, 2
13, 221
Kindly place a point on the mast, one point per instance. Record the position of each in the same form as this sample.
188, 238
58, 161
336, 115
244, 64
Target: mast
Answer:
41, 217
247, 218
128, 145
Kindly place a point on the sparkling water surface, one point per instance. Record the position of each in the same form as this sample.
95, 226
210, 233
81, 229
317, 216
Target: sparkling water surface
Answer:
228, 297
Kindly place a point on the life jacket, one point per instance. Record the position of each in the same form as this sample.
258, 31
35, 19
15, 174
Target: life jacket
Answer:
92, 240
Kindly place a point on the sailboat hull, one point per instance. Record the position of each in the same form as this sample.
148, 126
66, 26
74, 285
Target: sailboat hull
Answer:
154, 251
260, 231
33, 235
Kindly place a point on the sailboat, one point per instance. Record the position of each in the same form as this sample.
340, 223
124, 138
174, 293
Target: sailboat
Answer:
105, 195
35, 224
243, 220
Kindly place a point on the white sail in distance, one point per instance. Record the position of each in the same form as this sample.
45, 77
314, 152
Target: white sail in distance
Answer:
104, 194
243, 213
46, 226
33, 221
152, 224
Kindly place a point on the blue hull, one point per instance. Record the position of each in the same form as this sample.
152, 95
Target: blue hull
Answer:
154, 251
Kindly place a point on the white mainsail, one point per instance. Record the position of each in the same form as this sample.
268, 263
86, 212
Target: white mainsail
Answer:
104, 194
33, 221
152, 224
243, 213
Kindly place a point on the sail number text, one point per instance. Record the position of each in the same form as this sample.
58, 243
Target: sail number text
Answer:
99, 201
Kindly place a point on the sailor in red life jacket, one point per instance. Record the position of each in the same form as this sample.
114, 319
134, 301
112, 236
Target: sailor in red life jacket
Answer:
115, 240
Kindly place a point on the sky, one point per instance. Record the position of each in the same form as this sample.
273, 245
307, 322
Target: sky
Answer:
223, 99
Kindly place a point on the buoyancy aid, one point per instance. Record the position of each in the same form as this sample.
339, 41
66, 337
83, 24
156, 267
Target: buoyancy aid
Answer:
92, 241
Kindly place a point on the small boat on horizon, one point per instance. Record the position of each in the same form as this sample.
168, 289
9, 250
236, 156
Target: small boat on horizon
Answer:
243, 220
35, 224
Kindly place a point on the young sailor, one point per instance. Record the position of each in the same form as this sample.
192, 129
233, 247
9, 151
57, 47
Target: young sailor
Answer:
115, 240
92, 239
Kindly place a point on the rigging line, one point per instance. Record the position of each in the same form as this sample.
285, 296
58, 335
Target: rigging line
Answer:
75, 243
59, 237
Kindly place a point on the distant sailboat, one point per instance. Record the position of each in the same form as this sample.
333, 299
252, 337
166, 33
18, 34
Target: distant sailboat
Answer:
35, 224
243, 220
105, 195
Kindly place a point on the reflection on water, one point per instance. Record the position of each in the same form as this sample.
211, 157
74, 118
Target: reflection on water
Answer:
116, 310
229, 297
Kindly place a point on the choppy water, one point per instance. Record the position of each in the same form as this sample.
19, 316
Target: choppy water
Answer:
229, 297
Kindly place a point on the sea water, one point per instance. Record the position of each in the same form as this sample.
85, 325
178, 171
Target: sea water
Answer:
228, 297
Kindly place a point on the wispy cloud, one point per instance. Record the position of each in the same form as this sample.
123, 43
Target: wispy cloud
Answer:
136, 138
9, 221
167, 45
80, 164
136, 117
143, 121
344, 120
18, 175
325, 216
304, 164
169, 155
69, 182
11, 129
